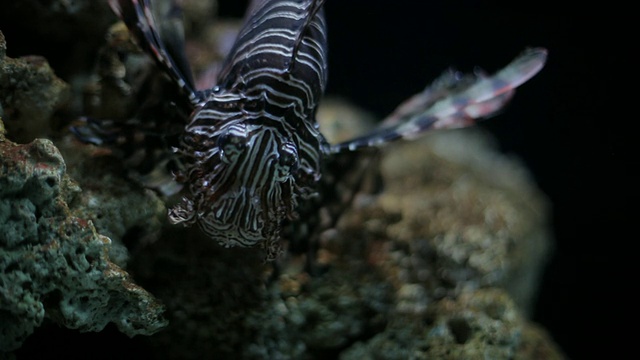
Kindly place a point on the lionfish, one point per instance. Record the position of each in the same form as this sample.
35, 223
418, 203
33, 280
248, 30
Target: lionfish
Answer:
251, 151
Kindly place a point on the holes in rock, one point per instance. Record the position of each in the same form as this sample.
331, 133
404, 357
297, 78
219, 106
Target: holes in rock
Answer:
11, 267
52, 300
429, 319
460, 329
27, 285
69, 260
51, 181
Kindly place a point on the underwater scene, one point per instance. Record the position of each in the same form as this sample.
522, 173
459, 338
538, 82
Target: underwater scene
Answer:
176, 182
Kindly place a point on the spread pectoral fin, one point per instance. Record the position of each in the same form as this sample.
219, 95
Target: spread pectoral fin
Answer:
452, 101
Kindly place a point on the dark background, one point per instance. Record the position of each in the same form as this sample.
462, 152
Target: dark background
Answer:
571, 125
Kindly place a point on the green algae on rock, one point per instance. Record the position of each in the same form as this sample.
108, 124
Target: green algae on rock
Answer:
54, 264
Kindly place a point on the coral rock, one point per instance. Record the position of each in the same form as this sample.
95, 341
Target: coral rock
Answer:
483, 324
29, 95
54, 264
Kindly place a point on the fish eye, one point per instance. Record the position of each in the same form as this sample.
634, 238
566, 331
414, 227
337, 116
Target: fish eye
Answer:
230, 141
288, 156
231, 145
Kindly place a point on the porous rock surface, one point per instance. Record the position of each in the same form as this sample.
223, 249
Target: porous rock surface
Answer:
53, 264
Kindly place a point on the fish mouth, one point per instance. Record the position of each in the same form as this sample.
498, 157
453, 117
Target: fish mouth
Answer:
236, 217
240, 196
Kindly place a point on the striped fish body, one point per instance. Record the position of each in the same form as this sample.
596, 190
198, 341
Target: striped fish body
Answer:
252, 149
